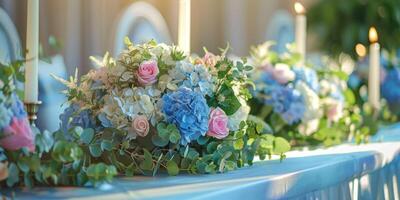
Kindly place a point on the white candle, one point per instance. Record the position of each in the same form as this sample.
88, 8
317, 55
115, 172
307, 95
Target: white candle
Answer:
32, 45
301, 31
374, 69
184, 26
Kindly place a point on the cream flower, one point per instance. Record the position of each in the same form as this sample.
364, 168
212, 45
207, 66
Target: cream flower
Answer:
240, 115
309, 127
312, 102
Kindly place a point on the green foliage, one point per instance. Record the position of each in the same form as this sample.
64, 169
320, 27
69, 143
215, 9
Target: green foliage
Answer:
100, 172
172, 168
231, 75
63, 162
341, 24
10, 74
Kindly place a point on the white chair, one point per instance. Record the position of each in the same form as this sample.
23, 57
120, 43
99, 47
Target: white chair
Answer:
10, 46
281, 30
50, 93
140, 22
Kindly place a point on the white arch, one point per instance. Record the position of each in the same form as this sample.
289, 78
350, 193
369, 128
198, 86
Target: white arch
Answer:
10, 32
132, 16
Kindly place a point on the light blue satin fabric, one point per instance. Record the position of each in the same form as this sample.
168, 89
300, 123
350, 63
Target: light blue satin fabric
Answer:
370, 171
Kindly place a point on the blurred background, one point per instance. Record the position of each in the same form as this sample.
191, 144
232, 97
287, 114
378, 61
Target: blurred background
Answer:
90, 27
73, 30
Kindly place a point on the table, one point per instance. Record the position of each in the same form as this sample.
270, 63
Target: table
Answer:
347, 171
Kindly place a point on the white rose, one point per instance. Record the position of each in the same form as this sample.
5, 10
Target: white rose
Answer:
312, 102
309, 127
240, 115
146, 104
325, 87
333, 109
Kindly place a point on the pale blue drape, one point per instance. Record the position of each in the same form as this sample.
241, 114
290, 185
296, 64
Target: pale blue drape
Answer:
369, 171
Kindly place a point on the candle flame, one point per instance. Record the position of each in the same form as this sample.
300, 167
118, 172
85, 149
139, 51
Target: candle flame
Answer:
299, 8
373, 35
361, 50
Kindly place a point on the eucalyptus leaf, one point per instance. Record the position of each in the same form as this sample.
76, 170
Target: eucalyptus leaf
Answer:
87, 135
159, 141
13, 175
106, 145
172, 168
95, 150
281, 145
147, 163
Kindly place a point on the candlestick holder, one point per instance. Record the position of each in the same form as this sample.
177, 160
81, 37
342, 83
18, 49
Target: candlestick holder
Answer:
32, 109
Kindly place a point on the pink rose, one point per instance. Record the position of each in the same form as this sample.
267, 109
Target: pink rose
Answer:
218, 124
280, 72
18, 135
147, 72
141, 126
210, 59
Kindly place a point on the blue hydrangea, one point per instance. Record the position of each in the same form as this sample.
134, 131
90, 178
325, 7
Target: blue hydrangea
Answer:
390, 86
266, 78
5, 116
307, 75
354, 81
285, 101
195, 77
73, 116
262, 82
189, 111
17, 107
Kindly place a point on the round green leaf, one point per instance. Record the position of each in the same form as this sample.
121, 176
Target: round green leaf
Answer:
159, 141
238, 144
172, 168
106, 145
87, 136
281, 145
95, 150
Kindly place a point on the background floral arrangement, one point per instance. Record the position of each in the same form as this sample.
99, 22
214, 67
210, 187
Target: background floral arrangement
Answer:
19, 155
389, 76
304, 105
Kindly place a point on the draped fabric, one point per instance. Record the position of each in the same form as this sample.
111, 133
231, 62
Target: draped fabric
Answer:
347, 171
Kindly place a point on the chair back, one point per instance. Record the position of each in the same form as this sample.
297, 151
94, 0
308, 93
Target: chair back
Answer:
281, 30
140, 22
10, 45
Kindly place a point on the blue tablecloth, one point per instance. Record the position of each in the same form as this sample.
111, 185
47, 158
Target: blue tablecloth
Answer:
370, 171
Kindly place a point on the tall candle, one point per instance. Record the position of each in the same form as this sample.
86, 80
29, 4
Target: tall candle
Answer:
301, 32
374, 69
184, 26
32, 45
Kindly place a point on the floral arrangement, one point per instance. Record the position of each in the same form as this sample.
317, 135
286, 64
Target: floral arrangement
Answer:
304, 105
154, 109
389, 77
